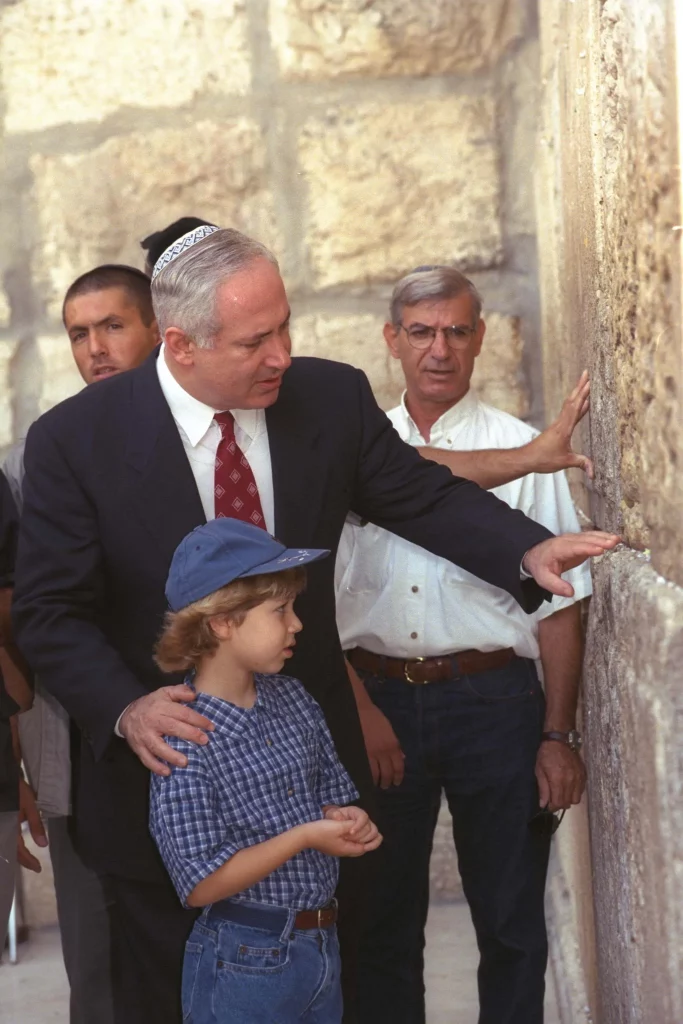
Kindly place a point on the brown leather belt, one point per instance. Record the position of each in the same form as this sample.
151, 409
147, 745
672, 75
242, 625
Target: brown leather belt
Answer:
430, 670
256, 915
323, 918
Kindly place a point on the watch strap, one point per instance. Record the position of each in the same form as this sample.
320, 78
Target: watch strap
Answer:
571, 739
561, 737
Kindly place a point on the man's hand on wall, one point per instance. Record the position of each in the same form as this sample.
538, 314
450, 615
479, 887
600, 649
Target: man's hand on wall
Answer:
548, 560
561, 776
552, 450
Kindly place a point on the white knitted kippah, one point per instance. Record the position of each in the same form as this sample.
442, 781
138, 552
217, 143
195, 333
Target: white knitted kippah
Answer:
181, 245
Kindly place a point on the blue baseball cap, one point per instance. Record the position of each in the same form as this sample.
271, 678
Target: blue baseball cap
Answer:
224, 550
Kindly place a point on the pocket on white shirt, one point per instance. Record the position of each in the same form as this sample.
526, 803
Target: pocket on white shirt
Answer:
368, 560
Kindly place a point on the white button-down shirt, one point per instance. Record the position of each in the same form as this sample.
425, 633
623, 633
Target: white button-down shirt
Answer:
201, 435
395, 598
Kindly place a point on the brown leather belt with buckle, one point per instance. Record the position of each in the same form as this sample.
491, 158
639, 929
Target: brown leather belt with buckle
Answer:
323, 918
430, 670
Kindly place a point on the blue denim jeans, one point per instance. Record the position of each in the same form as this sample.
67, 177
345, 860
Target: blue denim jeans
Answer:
238, 974
475, 739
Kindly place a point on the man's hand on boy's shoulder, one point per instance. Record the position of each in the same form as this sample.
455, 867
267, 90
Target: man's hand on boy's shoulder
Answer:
148, 719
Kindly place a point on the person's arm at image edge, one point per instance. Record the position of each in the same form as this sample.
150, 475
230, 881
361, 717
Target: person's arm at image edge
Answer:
560, 772
28, 811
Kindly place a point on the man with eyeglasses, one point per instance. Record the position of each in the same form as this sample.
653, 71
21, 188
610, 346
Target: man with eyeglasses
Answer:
444, 670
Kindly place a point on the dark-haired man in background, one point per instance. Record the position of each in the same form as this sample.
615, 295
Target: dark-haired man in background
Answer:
159, 241
110, 322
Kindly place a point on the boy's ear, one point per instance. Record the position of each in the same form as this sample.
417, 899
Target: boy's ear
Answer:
222, 626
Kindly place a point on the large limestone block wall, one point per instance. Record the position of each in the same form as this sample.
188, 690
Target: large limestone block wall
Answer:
357, 139
608, 195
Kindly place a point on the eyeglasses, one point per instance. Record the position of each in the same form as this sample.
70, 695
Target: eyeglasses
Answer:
545, 823
420, 336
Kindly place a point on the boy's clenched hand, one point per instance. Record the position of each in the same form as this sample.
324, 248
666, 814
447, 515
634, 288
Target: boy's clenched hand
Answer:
343, 832
362, 831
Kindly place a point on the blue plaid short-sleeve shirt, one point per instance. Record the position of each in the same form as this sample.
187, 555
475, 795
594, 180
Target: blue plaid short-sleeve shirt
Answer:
264, 770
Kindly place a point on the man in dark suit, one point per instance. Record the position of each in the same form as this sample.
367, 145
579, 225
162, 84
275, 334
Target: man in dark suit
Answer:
119, 474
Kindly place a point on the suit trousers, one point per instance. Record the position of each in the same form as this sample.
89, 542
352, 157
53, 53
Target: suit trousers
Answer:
84, 928
149, 929
474, 738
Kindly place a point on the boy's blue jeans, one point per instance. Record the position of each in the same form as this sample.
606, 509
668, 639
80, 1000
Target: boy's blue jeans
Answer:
272, 973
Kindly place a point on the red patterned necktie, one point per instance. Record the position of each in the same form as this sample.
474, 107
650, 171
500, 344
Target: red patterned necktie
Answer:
235, 491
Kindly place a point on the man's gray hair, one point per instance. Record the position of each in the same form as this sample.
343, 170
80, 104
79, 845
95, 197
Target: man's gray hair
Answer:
431, 284
184, 293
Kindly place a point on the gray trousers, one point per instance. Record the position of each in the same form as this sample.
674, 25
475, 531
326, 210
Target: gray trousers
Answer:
84, 927
9, 830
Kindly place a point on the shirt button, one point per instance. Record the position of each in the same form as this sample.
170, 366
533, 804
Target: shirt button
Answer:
290, 792
413, 636
415, 589
269, 743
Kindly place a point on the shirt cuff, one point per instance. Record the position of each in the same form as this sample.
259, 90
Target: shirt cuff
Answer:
117, 727
523, 574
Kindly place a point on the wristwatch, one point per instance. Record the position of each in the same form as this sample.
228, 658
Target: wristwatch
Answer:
572, 738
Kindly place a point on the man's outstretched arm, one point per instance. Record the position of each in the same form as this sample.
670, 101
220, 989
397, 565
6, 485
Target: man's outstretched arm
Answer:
550, 452
457, 520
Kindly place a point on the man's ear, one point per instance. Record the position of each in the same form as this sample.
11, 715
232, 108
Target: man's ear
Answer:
391, 338
479, 336
180, 346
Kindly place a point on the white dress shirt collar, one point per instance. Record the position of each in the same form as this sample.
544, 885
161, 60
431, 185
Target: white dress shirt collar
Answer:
407, 428
193, 416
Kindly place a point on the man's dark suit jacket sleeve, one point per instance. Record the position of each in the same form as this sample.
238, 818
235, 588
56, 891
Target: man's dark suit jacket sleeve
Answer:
59, 553
417, 499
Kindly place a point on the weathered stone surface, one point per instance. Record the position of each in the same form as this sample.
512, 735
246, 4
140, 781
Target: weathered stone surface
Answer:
608, 204
498, 375
80, 60
5, 311
328, 38
642, 271
59, 379
444, 878
351, 339
519, 126
634, 707
94, 207
7, 352
569, 912
394, 187
566, 210
609, 255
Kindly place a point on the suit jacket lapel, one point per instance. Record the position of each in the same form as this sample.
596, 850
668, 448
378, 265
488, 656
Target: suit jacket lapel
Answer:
162, 485
293, 442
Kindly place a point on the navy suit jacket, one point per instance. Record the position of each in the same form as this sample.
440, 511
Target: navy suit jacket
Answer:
108, 495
